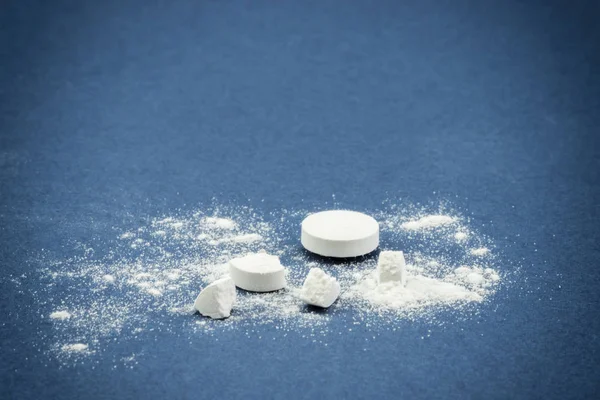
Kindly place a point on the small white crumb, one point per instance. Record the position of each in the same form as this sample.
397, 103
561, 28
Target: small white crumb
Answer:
159, 233
482, 251
60, 315
126, 235
108, 278
460, 236
75, 347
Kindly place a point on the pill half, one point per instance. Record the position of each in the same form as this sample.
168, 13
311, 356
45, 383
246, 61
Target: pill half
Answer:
259, 272
340, 233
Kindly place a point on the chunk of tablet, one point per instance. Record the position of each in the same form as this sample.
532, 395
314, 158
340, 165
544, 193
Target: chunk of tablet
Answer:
258, 272
319, 289
391, 267
340, 233
217, 299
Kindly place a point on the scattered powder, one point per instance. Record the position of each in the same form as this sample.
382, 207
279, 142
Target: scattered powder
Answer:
154, 292
222, 223
428, 222
247, 238
482, 251
60, 315
155, 284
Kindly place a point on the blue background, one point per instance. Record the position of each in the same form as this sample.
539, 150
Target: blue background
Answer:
117, 110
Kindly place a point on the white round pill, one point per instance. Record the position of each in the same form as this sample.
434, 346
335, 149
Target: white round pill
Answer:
340, 233
259, 272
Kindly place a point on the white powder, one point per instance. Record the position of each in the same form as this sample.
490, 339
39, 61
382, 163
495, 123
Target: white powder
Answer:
154, 285
222, 223
247, 238
428, 222
75, 347
420, 291
60, 315
461, 235
482, 251
154, 292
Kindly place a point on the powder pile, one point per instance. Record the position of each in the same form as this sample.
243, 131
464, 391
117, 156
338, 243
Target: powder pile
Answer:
152, 273
428, 222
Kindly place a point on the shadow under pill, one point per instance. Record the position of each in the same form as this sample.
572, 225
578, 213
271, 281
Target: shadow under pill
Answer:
314, 309
253, 293
312, 257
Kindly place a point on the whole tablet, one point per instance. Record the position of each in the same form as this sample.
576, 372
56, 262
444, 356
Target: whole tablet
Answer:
340, 233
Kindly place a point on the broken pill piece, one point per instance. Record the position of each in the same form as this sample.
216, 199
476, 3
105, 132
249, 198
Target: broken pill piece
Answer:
258, 272
319, 288
217, 299
391, 267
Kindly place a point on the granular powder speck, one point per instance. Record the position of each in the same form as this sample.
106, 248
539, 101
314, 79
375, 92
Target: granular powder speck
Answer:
482, 251
60, 315
75, 347
461, 235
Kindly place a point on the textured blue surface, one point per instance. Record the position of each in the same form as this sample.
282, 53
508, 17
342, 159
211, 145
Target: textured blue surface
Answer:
112, 110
